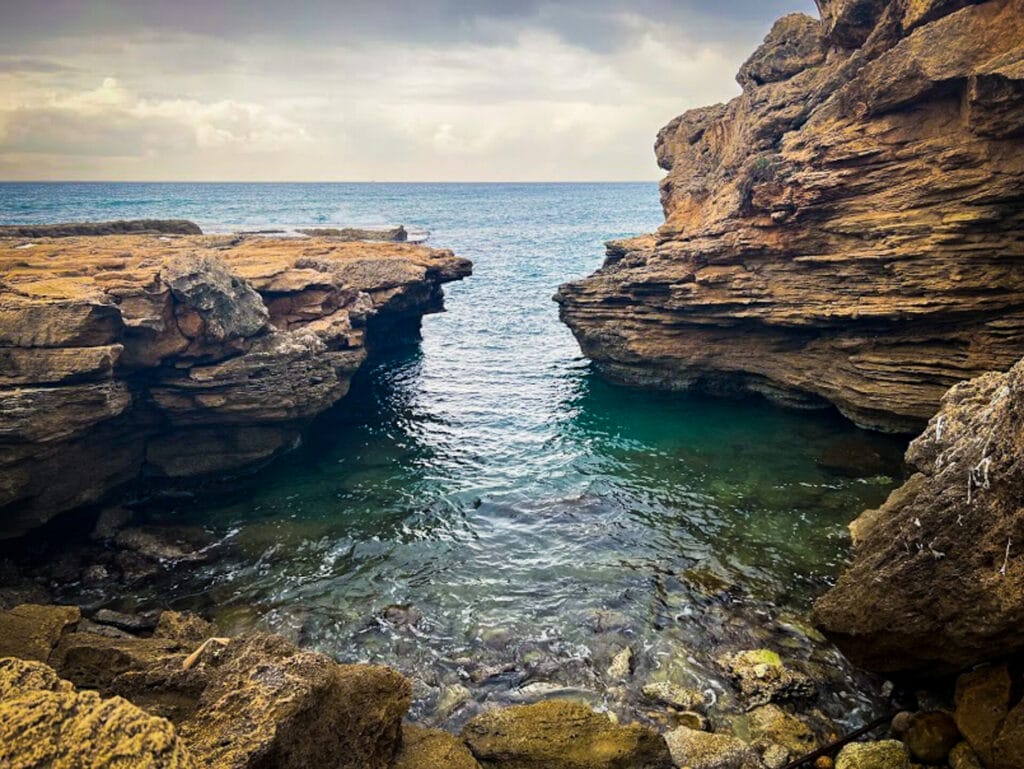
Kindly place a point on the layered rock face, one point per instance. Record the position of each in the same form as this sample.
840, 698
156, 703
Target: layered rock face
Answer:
849, 230
128, 357
937, 581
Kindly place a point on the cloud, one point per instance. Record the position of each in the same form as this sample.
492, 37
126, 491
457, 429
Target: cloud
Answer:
437, 90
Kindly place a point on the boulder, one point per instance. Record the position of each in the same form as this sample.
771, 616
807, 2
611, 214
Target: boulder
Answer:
884, 754
265, 703
673, 695
30, 631
558, 734
990, 715
432, 749
937, 579
44, 721
930, 736
703, 750
769, 725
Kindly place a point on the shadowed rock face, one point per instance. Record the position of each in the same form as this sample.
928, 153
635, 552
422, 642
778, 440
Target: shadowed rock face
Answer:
131, 357
937, 580
849, 230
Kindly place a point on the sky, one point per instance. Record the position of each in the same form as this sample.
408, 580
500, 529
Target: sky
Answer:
360, 90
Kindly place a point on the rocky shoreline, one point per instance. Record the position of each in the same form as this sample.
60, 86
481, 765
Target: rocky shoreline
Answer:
846, 232
142, 358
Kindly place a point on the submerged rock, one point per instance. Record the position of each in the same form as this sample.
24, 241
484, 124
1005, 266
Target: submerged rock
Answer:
44, 721
668, 693
762, 677
937, 579
846, 231
557, 734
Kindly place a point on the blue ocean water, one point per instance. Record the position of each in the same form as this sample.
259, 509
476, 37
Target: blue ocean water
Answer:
537, 518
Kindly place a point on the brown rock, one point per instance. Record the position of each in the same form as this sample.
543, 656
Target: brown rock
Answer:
94, 661
561, 735
184, 627
231, 345
844, 232
45, 722
30, 632
762, 677
123, 227
701, 750
990, 715
432, 749
268, 704
930, 736
937, 580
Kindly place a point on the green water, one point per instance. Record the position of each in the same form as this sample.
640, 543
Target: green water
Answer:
535, 518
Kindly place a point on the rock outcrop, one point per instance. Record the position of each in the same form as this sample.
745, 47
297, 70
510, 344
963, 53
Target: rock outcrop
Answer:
937, 580
120, 227
133, 358
849, 230
44, 721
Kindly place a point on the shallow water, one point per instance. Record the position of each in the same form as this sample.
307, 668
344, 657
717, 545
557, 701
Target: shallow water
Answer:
535, 517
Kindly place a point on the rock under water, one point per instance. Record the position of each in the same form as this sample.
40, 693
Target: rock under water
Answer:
134, 357
846, 231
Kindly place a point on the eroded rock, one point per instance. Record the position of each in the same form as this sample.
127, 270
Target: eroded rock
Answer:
703, 750
846, 231
432, 749
558, 734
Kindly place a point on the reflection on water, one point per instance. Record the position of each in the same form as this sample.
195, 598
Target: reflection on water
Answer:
487, 515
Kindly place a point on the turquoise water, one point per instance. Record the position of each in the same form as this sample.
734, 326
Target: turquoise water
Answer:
535, 517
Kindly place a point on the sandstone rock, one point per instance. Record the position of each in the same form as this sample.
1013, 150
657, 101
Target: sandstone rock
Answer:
885, 754
432, 749
963, 757
184, 627
268, 704
844, 232
990, 715
94, 661
45, 722
123, 227
394, 234
561, 735
621, 665
701, 750
185, 356
937, 580
775, 757
675, 696
30, 632
930, 736
762, 677
769, 725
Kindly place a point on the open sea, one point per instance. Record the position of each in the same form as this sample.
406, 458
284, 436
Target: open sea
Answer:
523, 519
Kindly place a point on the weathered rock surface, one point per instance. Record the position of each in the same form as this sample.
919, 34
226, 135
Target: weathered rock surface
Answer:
849, 230
557, 734
937, 580
990, 715
432, 749
45, 722
884, 754
702, 750
140, 357
121, 227
390, 234
31, 631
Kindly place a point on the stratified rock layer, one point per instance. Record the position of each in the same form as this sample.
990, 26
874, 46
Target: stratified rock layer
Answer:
937, 580
849, 230
132, 357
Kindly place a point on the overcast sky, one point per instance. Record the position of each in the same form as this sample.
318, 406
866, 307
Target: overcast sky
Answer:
432, 90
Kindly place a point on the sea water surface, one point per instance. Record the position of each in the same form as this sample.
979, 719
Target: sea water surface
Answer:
483, 511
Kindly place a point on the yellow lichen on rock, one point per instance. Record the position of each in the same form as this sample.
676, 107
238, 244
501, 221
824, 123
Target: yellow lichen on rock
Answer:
45, 722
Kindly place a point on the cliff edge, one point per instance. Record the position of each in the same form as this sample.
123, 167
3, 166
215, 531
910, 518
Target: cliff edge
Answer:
125, 357
849, 230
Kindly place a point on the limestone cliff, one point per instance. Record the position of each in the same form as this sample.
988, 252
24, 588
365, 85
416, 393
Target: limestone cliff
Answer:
127, 357
937, 581
849, 230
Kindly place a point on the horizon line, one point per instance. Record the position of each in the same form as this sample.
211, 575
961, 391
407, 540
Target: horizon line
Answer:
336, 181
